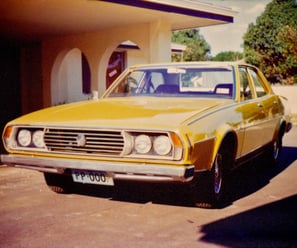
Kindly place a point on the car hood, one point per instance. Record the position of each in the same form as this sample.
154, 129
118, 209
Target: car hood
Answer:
136, 112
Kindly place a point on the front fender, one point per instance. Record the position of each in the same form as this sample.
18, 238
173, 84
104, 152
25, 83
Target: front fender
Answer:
204, 151
227, 136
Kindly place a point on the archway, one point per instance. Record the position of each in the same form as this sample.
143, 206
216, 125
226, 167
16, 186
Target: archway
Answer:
70, 77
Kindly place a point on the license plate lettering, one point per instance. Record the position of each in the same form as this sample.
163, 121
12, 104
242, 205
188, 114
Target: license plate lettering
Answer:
97, 177
92, 177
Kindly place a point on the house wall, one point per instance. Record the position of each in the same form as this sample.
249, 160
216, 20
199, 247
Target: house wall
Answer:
153, 39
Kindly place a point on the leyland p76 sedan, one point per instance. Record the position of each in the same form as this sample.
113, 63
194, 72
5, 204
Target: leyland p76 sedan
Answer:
189, 123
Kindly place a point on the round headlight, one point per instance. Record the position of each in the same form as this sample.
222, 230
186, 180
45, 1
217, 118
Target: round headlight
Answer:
143, 144
128, 143
24, 137
162, 145
37, 139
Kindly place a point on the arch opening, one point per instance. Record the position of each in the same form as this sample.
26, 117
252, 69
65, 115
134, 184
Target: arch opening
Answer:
70, 78
125, 54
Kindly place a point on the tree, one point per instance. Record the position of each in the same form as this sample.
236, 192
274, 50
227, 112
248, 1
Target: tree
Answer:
288, 36
228, 56
271, 44
197, 48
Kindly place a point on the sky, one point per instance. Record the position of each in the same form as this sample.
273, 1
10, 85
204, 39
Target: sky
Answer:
229, 37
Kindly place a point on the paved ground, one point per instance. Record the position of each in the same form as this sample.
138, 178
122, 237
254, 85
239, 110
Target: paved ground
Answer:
262, 212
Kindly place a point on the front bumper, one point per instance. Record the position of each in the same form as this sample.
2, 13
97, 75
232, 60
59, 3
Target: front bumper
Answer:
117, 170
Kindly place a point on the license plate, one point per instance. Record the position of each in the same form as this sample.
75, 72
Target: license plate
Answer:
92, 177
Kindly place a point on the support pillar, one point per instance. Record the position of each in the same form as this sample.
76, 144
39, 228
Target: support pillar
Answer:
160, 42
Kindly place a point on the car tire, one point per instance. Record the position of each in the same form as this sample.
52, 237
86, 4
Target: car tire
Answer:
273, 155
58, 183
277, 150
274, 152
211, 185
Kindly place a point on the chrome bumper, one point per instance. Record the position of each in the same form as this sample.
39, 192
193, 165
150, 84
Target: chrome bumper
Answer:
117, 170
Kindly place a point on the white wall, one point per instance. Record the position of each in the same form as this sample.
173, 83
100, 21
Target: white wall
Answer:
153, 40
290, 92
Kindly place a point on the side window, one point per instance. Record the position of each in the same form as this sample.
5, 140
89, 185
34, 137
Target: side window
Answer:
260, 90
245, 89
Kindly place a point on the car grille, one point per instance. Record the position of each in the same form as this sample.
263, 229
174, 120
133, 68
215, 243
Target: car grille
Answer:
84, 142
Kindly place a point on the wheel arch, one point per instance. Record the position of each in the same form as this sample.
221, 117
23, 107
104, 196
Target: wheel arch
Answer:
283, 127
228, 141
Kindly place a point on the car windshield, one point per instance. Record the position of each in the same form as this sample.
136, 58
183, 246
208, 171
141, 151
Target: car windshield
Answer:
176, 82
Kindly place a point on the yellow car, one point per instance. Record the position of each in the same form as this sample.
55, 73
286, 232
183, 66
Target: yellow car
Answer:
176, 122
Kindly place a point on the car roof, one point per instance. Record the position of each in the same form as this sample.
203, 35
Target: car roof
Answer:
204, 64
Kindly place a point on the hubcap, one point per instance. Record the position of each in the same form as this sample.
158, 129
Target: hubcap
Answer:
218, 174
275, 150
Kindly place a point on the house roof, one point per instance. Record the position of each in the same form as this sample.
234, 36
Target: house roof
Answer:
36, 20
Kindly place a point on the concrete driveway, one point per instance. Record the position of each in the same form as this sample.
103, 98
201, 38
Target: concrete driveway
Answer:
261, 212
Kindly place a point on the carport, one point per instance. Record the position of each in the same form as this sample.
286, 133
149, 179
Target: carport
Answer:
72, 41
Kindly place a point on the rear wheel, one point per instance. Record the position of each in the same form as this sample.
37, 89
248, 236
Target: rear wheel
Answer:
277, 149
58, 183
273, 156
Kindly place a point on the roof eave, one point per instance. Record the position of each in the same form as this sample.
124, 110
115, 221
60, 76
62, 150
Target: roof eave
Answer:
184, 7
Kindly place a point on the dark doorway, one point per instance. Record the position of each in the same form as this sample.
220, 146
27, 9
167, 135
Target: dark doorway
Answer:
10, 86
116, 65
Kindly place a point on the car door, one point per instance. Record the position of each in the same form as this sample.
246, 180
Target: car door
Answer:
253, 114
270, 103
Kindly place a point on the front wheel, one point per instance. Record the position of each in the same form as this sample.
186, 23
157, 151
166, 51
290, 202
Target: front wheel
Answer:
210, 185
217, 177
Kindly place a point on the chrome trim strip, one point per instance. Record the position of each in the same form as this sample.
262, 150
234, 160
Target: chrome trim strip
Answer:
118, 170
212, 112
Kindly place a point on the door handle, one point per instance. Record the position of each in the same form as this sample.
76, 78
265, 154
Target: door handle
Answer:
260, 105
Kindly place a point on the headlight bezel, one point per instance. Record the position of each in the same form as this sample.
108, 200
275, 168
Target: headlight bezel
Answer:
20, 138
174, 148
